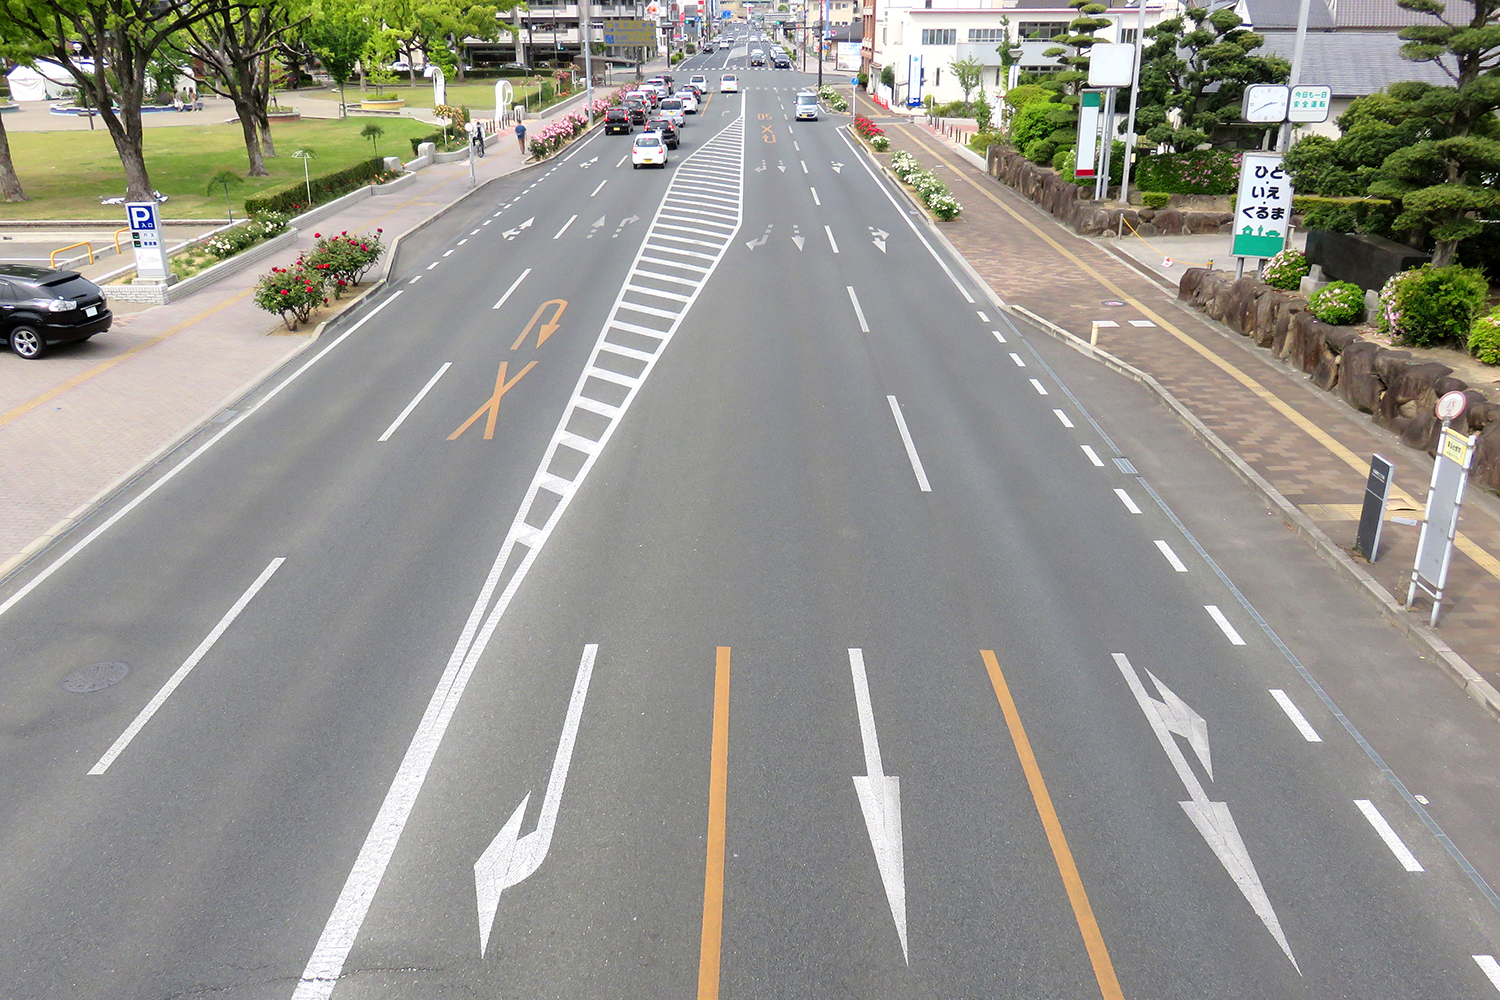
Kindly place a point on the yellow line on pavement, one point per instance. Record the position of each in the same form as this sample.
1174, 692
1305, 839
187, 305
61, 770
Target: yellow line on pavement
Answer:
104, 366
713, 875
1093, 940
1465, 544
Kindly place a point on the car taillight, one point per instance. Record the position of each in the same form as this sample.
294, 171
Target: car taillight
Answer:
61, 305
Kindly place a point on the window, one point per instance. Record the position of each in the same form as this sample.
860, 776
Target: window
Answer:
1127, 36
939, 36
1043, 30
985, 34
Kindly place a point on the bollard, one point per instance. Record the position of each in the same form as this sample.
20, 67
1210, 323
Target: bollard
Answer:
1094, 334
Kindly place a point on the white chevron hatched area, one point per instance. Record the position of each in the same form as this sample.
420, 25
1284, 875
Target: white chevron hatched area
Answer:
694, 226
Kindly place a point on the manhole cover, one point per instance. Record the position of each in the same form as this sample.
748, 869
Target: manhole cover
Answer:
95, 677
1112, 302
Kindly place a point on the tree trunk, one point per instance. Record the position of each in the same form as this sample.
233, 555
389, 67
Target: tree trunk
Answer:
267, 144
1444, 253
10, 184
250, 127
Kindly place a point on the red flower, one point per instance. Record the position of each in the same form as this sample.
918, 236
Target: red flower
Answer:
284, 291
317, 236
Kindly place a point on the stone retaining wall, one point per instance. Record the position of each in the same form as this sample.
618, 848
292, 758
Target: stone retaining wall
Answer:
1067, 202
1396, 389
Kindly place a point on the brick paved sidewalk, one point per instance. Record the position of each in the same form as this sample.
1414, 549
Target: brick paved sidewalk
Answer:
1308, 444
73, 424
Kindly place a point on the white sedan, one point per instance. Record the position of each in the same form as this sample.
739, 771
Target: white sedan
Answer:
689, 101
648, 149
729, 84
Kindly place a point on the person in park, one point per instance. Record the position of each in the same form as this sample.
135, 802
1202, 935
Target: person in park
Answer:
521, 137
478, 138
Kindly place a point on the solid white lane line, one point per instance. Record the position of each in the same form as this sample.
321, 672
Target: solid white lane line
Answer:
816, 199
1490, 967
1166, 550
1388, 834
622, 161
858, 312
448, 253
831, 243
1092, 456
999, 336
565, 227
513, 286
1041, 389
911, 448
599, 188
1020, 362
1129, 503
1223, 623
187, 667
1298, 719
415, 400
1063, 417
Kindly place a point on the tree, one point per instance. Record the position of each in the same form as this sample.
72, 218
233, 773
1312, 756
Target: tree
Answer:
19, 47
223, 179
372, 132
888, 77
234, 42
969, 71
1193, 76
1073, 49
339, 32
106, 46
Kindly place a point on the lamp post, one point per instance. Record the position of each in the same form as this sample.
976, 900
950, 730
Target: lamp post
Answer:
305, 155
1135, 94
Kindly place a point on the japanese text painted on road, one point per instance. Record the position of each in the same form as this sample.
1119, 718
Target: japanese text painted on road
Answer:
1264, 207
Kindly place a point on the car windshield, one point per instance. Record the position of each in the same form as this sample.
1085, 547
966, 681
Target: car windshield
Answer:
807, 98
729, 78
672, 105
648, 140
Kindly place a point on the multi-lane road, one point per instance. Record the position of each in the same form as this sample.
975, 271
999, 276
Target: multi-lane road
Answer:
689, 582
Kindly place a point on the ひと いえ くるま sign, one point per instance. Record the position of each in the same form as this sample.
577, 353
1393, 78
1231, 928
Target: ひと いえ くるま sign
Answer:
1264, 207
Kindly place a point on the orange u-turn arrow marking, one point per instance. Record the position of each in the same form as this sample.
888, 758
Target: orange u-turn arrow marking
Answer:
492, 405
548, 328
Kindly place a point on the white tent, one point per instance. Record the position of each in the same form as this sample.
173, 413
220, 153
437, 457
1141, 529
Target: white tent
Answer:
43, 82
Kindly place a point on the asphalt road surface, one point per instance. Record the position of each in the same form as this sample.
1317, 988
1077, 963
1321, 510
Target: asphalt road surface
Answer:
687, 582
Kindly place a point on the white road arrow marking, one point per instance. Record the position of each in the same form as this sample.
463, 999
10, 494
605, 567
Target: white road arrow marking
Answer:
762, 168
880, 234
510, 859
880, 245
837, 166
781, 167
1212, 819
799, 240
880, 801
625, 222
1182, 720
511, 234
752, 244
589, 163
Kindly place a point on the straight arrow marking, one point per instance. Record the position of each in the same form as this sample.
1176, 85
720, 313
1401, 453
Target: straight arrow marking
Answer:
880, 801
510, 859
1212, 819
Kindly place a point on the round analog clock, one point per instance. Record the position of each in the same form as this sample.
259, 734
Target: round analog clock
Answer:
1266, 102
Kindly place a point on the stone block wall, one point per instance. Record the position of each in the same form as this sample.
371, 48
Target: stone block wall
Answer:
1397, 390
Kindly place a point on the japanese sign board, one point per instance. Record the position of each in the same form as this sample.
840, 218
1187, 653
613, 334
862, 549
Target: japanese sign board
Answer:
1309, 104
145, 236
1445, 497
1372, 513
1089, 106
1263, 209
628, 31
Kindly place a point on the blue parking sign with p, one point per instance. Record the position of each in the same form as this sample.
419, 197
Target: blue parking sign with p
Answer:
142, 216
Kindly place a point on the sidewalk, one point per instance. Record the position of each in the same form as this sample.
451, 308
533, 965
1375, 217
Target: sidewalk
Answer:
1308, 445
75, 424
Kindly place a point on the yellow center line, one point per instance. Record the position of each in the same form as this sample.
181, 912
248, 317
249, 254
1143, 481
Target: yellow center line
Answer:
24, 408
1093, 940
713, 875
1465, 544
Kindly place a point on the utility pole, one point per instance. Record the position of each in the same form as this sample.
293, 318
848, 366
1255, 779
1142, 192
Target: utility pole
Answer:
821, 32
588, 65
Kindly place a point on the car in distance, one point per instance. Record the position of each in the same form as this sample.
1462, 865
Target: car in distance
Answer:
780, 60
637, 109
757, 57
664, 128
729, 84
807, 106
689, 100
673, 108
648, 149
699, 81
617, 121
40, 307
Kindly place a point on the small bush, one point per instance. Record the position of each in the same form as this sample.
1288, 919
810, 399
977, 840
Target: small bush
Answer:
880, 144
1040, 151
344, 259
1202, 171
1484, 338
291, 292
1338, 302
1156, 199
1430, 305
1286, 270
1031, 123
982, 141
933, 192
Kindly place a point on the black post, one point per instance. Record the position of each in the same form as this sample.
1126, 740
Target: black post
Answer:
821, 32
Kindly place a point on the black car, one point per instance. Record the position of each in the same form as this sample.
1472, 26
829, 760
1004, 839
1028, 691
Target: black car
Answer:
637, 110
666, 129
40, 307
779, 60
617, 121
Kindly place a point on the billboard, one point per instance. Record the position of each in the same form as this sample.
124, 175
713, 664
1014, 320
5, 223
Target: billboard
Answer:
628, 31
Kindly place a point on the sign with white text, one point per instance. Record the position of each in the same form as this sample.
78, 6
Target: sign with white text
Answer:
145, 236
1264, 207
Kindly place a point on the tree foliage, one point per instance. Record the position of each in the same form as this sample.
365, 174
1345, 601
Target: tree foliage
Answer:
969, 71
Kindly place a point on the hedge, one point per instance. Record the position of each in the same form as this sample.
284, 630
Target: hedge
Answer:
325, 187
1202, 171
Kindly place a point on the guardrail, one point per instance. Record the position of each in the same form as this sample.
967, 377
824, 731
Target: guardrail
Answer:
122, 229
72, 246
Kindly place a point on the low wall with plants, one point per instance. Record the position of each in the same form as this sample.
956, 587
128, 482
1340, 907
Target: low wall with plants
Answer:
933, 192
293, 200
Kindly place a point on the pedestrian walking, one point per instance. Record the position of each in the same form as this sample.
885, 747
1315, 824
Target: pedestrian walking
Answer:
521, 137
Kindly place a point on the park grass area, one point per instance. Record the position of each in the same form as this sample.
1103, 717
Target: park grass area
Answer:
477, 95
65, 174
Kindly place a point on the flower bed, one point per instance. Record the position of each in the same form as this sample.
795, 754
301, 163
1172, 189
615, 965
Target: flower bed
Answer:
557, 133
871, 133
335, 264
933, 192
833, 99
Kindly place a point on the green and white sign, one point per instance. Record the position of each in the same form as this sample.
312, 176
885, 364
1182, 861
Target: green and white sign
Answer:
1263, 209
1309, 104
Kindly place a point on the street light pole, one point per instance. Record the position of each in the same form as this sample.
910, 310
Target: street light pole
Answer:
1135, 91
588, 65
1296, 76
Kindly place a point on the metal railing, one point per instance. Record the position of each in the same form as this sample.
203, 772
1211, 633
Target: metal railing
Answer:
72, 246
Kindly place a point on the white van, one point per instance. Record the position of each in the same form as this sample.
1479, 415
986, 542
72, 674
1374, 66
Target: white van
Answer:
729, 84
807, 106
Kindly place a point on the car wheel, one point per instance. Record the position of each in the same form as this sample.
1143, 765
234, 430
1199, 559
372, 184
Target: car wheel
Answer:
27, 342
635, 166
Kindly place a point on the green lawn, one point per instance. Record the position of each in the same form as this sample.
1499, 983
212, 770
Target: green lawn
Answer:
66, 173
478, 96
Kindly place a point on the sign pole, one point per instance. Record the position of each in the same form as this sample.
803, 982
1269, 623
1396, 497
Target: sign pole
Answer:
1372, 516
1445, 496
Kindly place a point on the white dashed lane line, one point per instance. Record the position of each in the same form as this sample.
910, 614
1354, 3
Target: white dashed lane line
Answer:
1063, 417
1093, 456
1129, 503
1172, 560
1229, 630
1388, 834
1020, 362
1295, 714
1041, 389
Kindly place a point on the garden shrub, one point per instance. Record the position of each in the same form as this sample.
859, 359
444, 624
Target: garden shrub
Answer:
1286, 270
1027, 94
880, 143
1484, 338
1429, 305
1156, 199
325, 187
1338, 303
1345, 215
933, 192
1201, 171
981, 141
344, 259
291, 292
1031, 123
1040, 151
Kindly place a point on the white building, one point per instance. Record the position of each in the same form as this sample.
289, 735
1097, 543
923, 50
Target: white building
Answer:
921, 40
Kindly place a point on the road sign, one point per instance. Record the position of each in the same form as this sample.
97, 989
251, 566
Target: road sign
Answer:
1445, 497
628, 31
653, 10
1309, 104
145, 236
1372, 516
1264, 207
1451, 406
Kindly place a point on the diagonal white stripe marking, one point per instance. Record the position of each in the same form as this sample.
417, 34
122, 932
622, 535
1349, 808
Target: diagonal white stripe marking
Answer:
1388, 834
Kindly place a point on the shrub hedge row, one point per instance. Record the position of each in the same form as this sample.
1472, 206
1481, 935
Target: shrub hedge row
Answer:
325, 187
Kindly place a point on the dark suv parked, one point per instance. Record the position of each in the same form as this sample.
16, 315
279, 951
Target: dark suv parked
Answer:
40, 307
617, 121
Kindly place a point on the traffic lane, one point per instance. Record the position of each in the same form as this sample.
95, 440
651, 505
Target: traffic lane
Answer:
393, 521
731, 553
1143, 624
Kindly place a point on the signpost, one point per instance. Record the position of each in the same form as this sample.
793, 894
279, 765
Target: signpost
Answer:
1445, 496
1089, 103
145, 236
1372, 516
1263, 209
1309, 104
